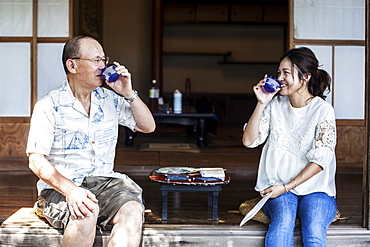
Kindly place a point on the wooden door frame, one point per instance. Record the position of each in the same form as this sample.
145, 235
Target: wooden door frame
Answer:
366, 170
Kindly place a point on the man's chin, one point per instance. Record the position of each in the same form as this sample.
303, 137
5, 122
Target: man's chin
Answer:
101, 80
105, 85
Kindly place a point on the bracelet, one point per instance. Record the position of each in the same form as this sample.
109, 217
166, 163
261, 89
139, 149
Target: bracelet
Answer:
285, 188
130, 100
295, 182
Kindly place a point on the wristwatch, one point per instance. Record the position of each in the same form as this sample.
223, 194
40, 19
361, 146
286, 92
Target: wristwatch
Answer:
130, 100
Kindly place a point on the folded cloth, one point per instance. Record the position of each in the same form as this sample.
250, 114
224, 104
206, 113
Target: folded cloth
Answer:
220, 174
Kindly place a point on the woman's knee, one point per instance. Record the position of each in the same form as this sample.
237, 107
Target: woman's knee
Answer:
317, 210
282, 208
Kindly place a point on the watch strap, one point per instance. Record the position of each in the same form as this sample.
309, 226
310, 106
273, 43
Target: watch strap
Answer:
130, 100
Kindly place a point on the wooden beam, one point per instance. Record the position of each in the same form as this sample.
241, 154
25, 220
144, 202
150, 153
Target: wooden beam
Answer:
15, 119
366, 169
34, 55
157, 42
291, 24
329, 42
70, 33
350, 122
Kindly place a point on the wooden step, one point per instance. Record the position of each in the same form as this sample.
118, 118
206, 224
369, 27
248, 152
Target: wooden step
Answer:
24, 228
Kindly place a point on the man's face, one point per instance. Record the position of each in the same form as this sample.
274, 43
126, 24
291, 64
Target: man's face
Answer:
88, 71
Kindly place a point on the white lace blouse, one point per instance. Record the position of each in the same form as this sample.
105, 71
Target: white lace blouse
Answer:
294, 138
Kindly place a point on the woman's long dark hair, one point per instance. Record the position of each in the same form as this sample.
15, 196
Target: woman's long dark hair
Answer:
307, 63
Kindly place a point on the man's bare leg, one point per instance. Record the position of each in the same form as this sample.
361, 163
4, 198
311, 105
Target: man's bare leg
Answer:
127, 225
81, 232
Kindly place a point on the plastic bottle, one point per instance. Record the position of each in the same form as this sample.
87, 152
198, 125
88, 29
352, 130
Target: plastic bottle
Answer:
154, 91
153, 96
177, 102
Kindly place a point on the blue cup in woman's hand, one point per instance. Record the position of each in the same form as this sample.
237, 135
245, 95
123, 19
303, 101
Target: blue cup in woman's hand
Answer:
271, 84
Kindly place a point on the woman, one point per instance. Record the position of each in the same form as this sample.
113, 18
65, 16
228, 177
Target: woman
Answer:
298, 159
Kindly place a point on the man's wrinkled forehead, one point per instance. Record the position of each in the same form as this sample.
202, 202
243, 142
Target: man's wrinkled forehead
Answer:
90, 47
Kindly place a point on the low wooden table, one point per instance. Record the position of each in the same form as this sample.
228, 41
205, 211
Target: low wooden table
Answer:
192, 185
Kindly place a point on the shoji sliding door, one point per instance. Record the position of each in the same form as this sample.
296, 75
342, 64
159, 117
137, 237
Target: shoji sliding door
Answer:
336, 31
32, 34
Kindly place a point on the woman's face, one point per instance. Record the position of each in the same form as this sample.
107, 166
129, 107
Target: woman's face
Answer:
288, 77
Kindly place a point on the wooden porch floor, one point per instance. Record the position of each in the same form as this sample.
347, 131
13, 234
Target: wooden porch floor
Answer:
224, 149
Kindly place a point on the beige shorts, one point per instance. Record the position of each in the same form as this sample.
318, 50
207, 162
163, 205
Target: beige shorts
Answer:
112, 194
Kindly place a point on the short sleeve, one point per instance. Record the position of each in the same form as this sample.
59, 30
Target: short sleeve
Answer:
42, 129
125, 114
325, 141
264, 128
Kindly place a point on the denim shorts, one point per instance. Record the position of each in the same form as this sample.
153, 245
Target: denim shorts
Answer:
112, 194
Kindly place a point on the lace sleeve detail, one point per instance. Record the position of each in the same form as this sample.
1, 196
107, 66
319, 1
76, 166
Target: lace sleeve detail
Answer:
326, 135
323, 151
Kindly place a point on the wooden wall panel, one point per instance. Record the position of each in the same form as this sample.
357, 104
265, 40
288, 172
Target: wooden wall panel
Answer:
349, 151
13, 140
350, 148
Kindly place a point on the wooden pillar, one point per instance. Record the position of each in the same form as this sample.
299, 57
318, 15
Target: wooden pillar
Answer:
366, 169
157, 48
157, 43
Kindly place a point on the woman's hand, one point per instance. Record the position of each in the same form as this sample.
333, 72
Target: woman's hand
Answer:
278, 190
262, 95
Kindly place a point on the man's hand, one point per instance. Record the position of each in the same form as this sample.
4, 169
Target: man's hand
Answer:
123, 85
80, 202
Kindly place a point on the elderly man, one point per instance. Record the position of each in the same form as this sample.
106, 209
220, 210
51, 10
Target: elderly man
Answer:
71, 148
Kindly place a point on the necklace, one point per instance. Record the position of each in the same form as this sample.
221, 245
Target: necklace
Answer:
307, 101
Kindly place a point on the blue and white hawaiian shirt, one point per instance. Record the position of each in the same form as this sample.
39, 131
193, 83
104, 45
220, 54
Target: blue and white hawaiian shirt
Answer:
77, 144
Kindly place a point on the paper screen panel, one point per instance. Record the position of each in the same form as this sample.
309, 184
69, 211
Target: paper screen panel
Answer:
50, 72
349, 89
53, 18
325, 57
329, 19
15, 85
16, 18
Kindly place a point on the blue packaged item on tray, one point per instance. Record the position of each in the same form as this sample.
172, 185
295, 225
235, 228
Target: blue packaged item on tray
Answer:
208, 179
177, 177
